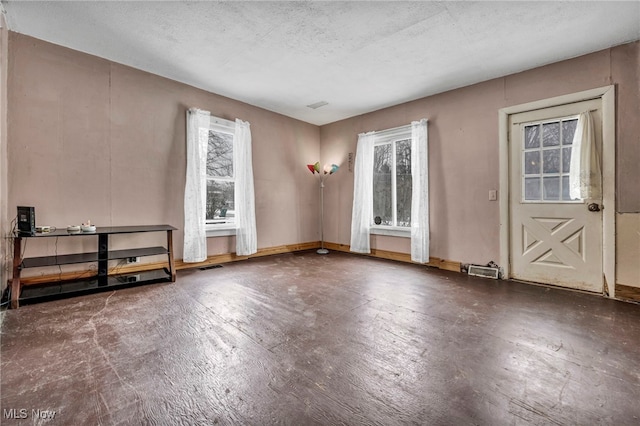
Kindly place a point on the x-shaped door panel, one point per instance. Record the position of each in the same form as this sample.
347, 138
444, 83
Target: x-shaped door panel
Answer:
553, 242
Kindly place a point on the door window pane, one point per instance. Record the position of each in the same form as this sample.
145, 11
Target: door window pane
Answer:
546, 160
565, 188
568, 130
551, 188
566, 159
551, 134
532, 136
551, 161
532, 189
532, 162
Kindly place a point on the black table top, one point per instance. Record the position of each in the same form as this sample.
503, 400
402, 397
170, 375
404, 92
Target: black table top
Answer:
62, 232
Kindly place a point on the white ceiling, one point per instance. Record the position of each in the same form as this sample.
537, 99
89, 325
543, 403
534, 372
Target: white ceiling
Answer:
356, 56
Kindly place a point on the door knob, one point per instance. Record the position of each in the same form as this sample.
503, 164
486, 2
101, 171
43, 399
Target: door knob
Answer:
593, 207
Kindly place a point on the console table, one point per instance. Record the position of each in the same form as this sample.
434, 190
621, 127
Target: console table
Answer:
99, 282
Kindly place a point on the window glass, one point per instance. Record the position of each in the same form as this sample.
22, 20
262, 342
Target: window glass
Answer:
403, 183
532, 136
551, 188
392, 183
220, 208
565, 188
220, 154
220, 201
546, 160
532, 162
382, 196
566, 159
551, 161
532, 188
568, 130
551, 134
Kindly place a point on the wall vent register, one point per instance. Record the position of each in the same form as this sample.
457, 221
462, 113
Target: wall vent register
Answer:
484, 271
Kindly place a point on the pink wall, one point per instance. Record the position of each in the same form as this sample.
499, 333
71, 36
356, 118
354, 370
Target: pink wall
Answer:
5, 246
92, 139
463, 149
625, 68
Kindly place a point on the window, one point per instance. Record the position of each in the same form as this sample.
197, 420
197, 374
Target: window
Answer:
220, 207
218, 162
546, 158
391, 188
392, 181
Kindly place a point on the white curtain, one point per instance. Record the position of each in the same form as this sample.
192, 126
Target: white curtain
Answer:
245, 211
195, 191
585, 176
362, 194
419, 192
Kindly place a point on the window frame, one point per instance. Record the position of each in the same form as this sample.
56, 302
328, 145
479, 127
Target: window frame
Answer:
384, 137
220, 125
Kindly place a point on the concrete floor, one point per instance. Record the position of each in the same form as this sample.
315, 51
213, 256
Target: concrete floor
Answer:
339, 339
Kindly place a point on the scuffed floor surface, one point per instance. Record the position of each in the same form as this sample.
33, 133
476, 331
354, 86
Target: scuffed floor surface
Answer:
305, 339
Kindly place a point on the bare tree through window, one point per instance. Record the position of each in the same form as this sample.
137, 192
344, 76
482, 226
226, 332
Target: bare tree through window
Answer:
382, 197
220, 177
403, 183
392, 180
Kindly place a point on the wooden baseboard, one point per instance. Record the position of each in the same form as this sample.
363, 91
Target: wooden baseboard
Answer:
65, 276
626, 292
232, 257
450, 265
435, 262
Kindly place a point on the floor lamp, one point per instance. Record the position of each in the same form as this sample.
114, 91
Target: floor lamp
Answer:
322, 175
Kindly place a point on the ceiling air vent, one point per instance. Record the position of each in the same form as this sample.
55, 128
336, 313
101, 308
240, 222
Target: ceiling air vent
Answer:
318, 105
483, 271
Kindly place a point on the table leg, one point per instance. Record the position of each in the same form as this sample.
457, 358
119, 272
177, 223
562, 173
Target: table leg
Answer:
15, 282
172, 266
103, 259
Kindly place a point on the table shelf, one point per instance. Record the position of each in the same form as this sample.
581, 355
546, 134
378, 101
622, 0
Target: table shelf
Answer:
68, 259
51, 291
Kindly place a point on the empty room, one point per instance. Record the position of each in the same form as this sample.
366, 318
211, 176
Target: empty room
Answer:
309, 212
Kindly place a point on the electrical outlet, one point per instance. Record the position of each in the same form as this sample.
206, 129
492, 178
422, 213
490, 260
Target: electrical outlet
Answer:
133, 259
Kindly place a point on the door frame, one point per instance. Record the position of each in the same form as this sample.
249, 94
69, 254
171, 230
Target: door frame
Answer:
607, 95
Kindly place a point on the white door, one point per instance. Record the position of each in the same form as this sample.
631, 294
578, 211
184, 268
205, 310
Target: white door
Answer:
553, 239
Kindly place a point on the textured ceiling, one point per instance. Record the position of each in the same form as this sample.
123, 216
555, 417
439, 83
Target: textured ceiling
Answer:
356, 56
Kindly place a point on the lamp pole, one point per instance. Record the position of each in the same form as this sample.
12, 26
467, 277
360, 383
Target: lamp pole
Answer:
322, 174
322, 250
